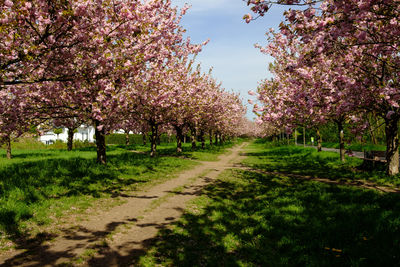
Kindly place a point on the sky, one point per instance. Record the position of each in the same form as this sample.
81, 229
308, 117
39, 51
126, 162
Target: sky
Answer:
231, 52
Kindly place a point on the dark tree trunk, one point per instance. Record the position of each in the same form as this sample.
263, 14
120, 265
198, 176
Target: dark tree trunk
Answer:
304, 136
319, 140
210, 136
100, 144
203, 141
392, 145
70, 140
193, 137
216, 138
144, 137
153, 139
179, 138
8, 143
341, 140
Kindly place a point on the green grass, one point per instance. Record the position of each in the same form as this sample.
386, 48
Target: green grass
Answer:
40, 186
252, 219
356, 147
307, 161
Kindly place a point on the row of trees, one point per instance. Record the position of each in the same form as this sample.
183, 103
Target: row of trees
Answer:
113, 64
335, 61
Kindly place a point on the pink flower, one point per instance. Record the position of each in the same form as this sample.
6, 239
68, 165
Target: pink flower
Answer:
8, 3
247, 18
390, 114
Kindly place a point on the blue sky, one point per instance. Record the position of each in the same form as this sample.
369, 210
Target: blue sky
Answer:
231, 53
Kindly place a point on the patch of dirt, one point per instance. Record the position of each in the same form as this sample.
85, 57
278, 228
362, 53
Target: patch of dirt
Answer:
119, 236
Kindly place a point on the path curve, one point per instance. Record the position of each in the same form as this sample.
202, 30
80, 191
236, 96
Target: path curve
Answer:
119, 236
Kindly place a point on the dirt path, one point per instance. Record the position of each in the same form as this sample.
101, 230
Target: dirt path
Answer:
119, 236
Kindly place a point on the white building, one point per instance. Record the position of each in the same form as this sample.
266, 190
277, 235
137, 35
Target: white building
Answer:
83, 133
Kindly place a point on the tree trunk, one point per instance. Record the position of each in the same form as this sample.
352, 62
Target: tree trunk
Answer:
193, 137
144, 137
216, 138
153, 139
127, 143
179, 138
295, 137
392, 145
70, 140
203, 141
100, 144
304, 136
319, 140
8, 143
288, 138
341, 140
210, 136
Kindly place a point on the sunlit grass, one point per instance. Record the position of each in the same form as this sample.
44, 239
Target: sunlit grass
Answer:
37, 187
252, 219
307, 161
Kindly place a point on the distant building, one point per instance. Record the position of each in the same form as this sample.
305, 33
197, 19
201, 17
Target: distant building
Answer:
84, 133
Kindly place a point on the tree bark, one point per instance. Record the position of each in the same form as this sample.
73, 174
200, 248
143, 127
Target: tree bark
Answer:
210, 136
193, 137
127, 142
70, 140
295, 137
392, 145
304, 136
153, 139
100, 144
8, 143
144, 137
216, 138
203, 141
179, 139
341, 140
319, 140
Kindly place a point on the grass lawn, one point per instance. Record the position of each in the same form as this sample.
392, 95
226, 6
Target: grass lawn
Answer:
252, 219
38, 187
307, 161
356, 147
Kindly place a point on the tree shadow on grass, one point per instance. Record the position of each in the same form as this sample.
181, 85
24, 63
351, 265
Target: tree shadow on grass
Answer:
307, 161
262, 220
23, 185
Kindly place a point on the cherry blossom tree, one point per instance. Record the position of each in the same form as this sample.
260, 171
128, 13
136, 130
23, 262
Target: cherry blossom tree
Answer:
362, 34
